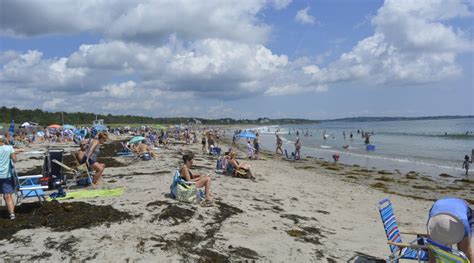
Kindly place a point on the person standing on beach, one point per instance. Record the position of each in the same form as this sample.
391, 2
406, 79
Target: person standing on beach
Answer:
450, 222
91, 156
279, 144
203, 142
297, 149
250, 149
7, 154
465, 164
256, 145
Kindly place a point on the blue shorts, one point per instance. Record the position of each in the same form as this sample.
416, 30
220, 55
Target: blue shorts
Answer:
84, 159
6, 186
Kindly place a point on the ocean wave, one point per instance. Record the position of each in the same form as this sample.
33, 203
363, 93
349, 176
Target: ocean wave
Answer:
455, 136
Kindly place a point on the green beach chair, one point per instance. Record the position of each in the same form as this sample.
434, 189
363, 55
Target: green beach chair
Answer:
444, 254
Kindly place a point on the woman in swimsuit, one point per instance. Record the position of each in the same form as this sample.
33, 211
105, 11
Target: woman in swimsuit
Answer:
200, 180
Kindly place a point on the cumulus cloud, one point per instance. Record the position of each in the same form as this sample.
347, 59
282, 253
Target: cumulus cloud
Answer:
303, 17
140, 21
411, 45
154, 55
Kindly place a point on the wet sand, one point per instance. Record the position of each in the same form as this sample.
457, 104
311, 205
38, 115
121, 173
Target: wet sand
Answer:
308, 210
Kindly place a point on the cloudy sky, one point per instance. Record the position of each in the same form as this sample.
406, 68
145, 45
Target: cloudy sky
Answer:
314, 59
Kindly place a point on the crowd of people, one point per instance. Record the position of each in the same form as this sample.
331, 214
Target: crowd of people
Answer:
450, 220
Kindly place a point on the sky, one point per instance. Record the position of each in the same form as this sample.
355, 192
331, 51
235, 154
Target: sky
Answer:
319, 59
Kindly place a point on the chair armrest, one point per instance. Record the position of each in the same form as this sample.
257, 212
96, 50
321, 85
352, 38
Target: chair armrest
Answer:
403, 245
32, 187
23, 177
412, 232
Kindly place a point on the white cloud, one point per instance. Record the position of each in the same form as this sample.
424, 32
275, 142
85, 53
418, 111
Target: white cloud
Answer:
411, 45
303, 17
140, 21
122, 90
154, 55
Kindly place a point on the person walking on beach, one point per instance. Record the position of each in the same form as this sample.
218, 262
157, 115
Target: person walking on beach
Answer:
279, 144
465, 164
297, 149
450, 222
7, 154
91, 156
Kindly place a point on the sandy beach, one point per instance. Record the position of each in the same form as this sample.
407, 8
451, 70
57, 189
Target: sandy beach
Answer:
304, 211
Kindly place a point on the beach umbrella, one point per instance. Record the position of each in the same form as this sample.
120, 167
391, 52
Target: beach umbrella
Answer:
12, 127
100, 128
54, 126
247, 135
68, 126
25, 125
136, 139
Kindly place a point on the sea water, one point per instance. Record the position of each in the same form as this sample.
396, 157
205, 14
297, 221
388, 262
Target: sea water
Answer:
431, 147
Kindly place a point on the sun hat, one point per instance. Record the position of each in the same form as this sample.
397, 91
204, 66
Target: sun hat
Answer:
445, 229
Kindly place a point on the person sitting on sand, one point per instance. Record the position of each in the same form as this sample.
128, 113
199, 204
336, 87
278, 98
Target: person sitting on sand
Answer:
143, 148
236, 166
450, 221
199, 179
91, 156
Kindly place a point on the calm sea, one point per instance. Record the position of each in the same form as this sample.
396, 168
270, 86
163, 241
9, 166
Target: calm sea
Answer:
431, 147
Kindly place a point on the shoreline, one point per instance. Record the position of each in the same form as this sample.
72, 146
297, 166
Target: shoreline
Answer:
308, 210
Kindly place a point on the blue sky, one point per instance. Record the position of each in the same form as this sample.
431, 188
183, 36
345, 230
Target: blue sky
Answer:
239, 59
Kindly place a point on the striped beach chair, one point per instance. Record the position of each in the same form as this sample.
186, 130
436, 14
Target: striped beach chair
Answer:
399, 250
445, 254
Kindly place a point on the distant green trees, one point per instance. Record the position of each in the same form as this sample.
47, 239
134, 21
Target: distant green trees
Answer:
44, 118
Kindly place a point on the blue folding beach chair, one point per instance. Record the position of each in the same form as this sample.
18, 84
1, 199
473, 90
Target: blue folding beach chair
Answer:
399, 250
27, 186
445, 254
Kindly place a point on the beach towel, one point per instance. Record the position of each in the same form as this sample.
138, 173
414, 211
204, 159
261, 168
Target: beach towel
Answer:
91, 193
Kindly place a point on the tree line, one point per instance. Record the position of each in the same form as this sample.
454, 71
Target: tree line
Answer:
44, 118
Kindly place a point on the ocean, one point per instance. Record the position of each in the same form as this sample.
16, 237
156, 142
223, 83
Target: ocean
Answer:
430, 147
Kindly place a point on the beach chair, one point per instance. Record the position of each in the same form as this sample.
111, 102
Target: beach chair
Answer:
184, 191
215, 151
53, 171
414, 250
27, 186
445, 254
80, 176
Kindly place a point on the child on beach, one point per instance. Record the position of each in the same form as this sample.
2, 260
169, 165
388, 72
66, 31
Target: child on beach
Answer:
465, 164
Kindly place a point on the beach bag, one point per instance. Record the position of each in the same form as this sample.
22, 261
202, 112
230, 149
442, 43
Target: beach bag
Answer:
187, 193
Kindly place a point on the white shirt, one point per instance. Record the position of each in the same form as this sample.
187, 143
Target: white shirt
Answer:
5, 153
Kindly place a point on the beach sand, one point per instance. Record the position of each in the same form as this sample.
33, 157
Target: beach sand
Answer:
303, 211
